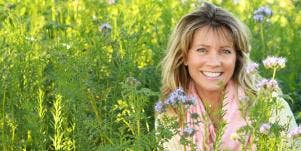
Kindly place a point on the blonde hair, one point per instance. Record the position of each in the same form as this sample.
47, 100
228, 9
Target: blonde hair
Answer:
174, 72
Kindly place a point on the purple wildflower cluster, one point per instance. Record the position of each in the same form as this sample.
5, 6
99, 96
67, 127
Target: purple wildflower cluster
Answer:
295, 132
179, 96
252, 68
105, 27
175, 98
188, 132
274, 62
261, 13
269, 84
265, 128
160, 107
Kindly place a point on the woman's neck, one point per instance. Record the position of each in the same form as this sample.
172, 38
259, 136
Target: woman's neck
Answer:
210, 98
213, 104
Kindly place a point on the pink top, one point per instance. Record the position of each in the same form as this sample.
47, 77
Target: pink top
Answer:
205, 131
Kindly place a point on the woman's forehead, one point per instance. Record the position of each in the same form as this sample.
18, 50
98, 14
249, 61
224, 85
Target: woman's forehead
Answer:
221, 34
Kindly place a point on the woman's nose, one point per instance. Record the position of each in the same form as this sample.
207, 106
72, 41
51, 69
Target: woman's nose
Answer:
213, 60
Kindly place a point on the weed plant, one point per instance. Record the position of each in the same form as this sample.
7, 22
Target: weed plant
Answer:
69, 70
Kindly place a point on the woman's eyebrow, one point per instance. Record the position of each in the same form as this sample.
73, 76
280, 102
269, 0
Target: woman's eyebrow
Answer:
227, 46
222, 46
203, 45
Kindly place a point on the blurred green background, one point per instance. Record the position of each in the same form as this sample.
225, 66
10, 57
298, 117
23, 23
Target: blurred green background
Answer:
84, 74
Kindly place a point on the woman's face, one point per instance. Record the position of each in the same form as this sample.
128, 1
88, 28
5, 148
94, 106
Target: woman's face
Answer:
211, 58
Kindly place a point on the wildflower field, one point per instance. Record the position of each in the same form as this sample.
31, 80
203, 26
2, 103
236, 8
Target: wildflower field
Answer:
85, 75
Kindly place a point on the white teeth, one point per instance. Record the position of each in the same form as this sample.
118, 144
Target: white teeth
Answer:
212, 74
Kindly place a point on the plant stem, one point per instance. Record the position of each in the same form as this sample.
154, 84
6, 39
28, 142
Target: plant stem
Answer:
3, 118
182, 114
274, 73
138, 126
262, 37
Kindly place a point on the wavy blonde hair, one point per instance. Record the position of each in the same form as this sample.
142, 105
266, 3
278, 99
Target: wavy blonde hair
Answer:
174, 72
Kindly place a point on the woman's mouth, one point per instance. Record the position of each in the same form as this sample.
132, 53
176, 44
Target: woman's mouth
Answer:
211, 74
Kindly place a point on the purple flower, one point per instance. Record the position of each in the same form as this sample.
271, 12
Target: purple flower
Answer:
159, 107
265, 128
295, 132
261, 13
188, 132
190, 101
272, 84
264, 11
251, 68
176, 97
172, 99
268, 84
179, 97
258, 18
274, 62
180, 92
261, 83
105, 27
267, 11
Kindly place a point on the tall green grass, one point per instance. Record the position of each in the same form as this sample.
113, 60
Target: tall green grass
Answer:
65, 84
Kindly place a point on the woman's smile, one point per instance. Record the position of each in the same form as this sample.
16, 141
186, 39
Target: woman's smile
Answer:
211, 75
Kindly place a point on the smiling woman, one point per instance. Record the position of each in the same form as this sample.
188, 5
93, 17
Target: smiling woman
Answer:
207, 58
210, 61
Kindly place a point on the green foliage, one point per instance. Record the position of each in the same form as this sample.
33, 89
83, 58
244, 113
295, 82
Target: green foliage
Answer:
51, 48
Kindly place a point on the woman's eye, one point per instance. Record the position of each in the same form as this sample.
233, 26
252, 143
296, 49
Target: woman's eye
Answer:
201, 50
226, 51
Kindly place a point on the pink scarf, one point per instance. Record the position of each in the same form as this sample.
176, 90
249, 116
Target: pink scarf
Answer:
205, 132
